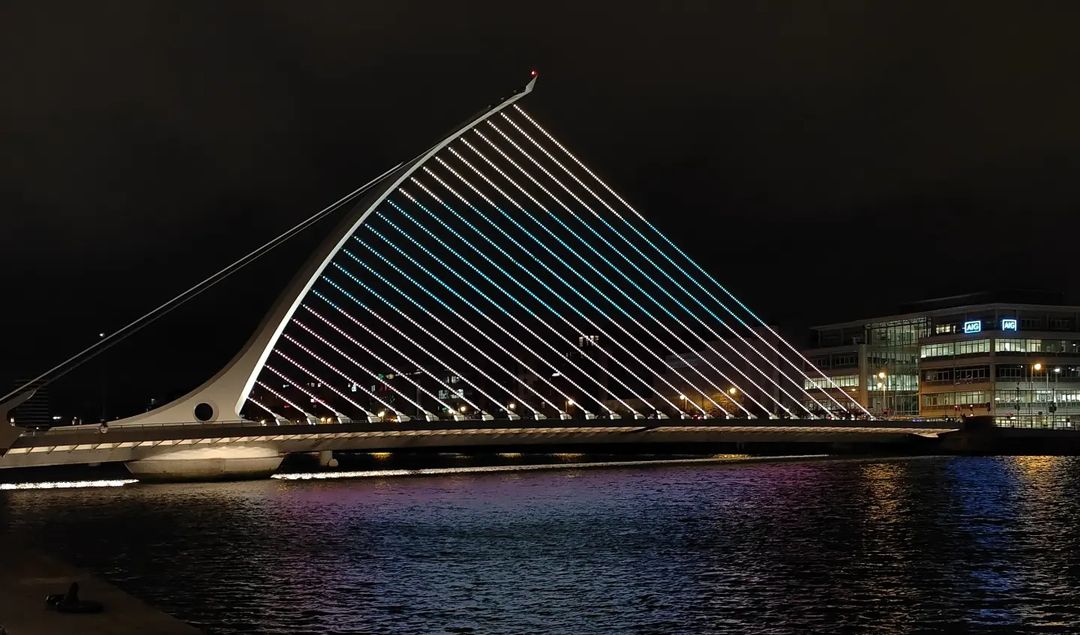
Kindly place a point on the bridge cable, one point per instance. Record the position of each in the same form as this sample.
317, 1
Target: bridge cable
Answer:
654, 282
706, 274
114, 338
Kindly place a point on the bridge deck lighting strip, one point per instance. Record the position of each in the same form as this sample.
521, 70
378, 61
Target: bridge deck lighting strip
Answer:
622, 291
458, 315
500, 287
324, 382
561, 279
434, 337
509, 295
352, 381
647, 277
701, 270
285, 399
382, 361
597, 289
531, 274
472, 286
390, 325
633, 246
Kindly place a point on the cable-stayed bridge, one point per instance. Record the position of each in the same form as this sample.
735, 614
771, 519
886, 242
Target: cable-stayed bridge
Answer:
494, 282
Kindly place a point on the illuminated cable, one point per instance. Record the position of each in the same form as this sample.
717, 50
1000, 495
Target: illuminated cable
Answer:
662, 271
345, 375
382, 361
635, 266
612, 284
285, 399
307, 392
706, 274
561, 354
432, 335
413, 341
325, 383
596, 289
531, 274
487, 278
481, 313
448, 327
570, 286
383, 340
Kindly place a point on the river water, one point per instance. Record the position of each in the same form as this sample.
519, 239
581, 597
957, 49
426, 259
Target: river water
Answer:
939, 543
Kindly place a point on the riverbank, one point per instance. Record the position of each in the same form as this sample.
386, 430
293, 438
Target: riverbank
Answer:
28, 575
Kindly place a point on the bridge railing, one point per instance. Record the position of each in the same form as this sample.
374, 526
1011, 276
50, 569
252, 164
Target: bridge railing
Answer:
95, 429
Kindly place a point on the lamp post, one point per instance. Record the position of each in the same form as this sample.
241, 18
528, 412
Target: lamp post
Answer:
1036, 367
1052, 408
882, 385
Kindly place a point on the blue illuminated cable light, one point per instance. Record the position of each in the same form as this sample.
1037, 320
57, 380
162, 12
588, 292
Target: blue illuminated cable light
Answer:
395, 329
559, 354
622, 291
593, 287
467, 303
576, 291
481, 332
427, 332
706, 274
532, 275
408, 318
517, 282
503, 290
544, 265
633, 246
647, 276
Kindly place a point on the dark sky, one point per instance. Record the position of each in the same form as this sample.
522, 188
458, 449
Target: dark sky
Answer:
827, 160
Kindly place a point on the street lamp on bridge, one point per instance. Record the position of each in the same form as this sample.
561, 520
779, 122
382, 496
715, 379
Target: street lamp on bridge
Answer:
882, 375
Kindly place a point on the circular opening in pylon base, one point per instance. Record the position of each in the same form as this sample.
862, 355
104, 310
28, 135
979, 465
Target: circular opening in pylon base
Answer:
204, 412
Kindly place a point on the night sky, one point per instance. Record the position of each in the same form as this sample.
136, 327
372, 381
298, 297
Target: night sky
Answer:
827, 161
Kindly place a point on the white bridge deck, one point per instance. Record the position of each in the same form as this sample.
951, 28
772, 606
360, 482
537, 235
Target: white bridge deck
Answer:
88, 444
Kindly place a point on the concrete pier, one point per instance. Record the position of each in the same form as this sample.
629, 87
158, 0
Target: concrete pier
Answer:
208, 464
27, 576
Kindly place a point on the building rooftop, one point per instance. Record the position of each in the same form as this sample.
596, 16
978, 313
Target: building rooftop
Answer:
969, 303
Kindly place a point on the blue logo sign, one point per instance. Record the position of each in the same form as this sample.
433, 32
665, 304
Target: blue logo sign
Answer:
974, 326
1009, 324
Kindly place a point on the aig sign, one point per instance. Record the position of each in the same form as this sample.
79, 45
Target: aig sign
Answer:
973, 326
1008, 324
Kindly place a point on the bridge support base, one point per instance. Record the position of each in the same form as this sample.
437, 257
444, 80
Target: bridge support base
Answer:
207, 464
326, 459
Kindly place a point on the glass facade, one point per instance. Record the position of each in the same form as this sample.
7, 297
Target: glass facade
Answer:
950, 349
974, 359
840, 381
892, 349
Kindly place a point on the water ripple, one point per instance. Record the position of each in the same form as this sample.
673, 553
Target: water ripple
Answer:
936, 544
